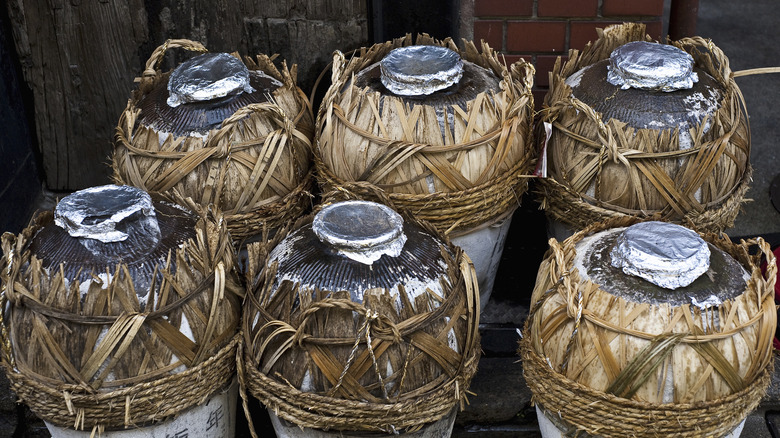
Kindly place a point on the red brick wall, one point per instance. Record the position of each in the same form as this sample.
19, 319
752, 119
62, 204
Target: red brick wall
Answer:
541, 30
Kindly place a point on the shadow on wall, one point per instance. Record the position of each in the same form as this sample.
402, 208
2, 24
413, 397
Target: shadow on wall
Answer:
20, 180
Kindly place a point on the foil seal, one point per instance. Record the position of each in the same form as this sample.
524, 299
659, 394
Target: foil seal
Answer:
360, 230
651, 66
420, 70
207, 77
667, 255
107, 213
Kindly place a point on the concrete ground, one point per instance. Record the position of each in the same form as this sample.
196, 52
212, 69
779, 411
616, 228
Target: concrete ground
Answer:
746, 31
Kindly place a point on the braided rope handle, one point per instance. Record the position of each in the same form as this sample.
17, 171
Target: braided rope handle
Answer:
157, 55
272, 109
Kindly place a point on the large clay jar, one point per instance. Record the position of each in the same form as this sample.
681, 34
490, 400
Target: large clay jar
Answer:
120, 315
647, 328
641, 128
220, 130
361, 321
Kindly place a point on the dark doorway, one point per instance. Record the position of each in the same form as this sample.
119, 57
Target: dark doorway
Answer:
392, 19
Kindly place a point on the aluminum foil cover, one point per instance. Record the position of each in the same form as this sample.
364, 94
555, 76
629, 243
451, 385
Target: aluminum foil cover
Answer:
420, 70
97, 212
207, 77
360, 230
667, 255
651, 66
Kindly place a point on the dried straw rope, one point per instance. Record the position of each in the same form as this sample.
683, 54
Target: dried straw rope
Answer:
255, 167
357, 398
479, 169
105, 363
555, 377
607, 168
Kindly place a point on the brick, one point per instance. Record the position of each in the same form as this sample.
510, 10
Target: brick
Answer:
567, 8
492, 31
655, 29
632, 7
582, 32
503, 8
545, 64
536, 36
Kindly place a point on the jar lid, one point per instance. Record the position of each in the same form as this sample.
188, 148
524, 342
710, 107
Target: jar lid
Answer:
660, 250
107, 213
651, 66
207, 77
665, 254
360, 230
420, 70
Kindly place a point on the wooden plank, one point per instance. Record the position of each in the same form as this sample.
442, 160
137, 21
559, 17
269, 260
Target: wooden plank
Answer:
80, 59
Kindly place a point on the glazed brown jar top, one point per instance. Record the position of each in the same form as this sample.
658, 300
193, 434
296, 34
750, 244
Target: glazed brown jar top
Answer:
356, 246
660, 262
93, 230
433, 75
202, 92
648, 86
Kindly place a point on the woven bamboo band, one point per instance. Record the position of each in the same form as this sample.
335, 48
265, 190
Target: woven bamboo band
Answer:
580, 210
104, 362
478, 177
249, 167
610, 168
605, 415
452, 213
359, 398
618, 411
153, 401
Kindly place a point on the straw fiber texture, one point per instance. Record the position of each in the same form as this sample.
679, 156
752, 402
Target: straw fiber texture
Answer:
455, 175
604, 365
90, 356
347, 347
604, 168
256, 167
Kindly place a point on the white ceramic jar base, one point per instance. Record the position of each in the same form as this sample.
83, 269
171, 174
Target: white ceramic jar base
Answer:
216, 418
550, 430
285, 429
484, 247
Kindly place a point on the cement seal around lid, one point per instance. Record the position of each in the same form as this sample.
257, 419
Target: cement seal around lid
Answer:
206, 77
420, 70
99, 212
651, 66
361, 230
665, 254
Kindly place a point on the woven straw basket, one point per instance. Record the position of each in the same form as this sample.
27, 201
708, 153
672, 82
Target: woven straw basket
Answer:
256, 166
91, 359
604, 168
472, 174
346, 345
599, 363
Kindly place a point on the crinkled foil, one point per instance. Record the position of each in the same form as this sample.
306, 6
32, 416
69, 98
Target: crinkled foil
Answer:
360, 230
665, 254
207, 77
420, 70
97, 212
651, 66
